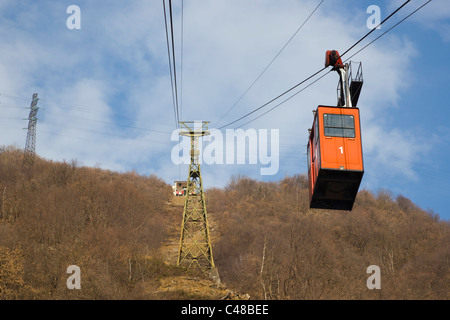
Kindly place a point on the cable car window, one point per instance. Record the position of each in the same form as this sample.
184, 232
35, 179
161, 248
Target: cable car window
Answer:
339, 125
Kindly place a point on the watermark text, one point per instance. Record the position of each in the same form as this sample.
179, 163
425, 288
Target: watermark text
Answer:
235, 146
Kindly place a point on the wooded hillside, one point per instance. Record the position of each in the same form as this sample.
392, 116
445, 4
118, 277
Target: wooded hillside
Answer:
273, 246
267, 242
110, 225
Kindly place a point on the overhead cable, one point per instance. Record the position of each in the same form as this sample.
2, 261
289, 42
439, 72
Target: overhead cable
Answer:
172, 69
311, 76
270, 63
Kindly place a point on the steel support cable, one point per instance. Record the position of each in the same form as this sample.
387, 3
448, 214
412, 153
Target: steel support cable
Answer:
181, 60
367, 34
174, 61
344, 61
181, 84
170, 66
270, 63
287, 99
409, 15
313, 75
277, 97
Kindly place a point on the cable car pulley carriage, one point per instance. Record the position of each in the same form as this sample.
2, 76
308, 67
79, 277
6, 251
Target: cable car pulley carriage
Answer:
335, 160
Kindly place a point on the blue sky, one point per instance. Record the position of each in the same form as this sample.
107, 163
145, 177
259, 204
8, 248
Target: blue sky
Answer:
106, 96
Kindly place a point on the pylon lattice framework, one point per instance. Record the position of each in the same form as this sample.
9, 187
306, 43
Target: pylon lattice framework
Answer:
30, 145
195, 249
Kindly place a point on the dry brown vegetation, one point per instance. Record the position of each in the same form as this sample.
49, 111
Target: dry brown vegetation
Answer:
60, 214
267, 242
274, 247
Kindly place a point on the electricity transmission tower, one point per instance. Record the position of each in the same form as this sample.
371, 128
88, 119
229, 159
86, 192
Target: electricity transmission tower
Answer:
195, 249
30, 145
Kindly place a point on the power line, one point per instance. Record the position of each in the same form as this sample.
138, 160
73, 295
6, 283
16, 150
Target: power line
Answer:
12, 97
311, 76
89, 109
270, 63
68, 132
85, 109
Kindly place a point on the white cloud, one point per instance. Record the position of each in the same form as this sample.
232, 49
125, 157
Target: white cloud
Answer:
392, 153
116, 67
434, 15
436, 10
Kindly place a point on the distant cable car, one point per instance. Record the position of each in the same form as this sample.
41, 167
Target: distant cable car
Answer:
335, 159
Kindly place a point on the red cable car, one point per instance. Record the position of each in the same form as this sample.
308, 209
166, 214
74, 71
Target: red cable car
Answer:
335, 159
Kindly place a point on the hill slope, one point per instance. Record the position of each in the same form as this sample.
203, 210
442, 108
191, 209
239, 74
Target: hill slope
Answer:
273, 246
122, 230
